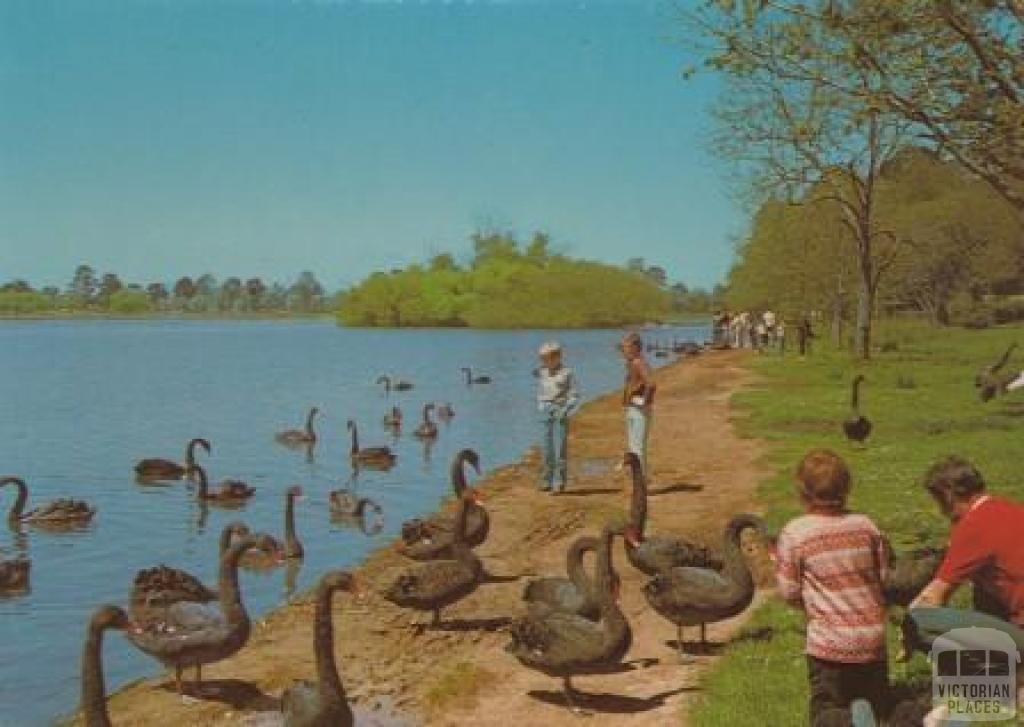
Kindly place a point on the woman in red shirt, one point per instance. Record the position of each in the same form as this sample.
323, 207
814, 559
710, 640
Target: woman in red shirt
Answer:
985, 546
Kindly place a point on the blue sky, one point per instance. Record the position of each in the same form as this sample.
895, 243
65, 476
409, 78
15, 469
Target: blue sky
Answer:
173, 137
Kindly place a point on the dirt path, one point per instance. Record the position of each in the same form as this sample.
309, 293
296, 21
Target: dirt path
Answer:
702, 473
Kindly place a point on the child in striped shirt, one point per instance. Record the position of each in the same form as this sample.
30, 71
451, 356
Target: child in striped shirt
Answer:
831, 563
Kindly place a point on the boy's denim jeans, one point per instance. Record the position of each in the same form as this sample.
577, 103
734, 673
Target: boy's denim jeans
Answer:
638, 429
554, 433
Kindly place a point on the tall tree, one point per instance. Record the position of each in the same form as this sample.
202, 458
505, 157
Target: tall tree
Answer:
83, 284
802, 140
307, 291
110, 283
184, 288
157, 293
230, 293
255, 289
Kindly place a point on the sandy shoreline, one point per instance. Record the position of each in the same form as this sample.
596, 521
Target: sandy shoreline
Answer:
702, 474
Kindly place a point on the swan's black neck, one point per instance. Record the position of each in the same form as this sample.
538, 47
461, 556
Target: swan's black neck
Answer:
292, 546
604, 578
638, 502
15, 513
309, 424
355, 438
574, 563
203, 488
735, 567
94, 695
227, 581
855, 394
225, 539
329, 683
458, 476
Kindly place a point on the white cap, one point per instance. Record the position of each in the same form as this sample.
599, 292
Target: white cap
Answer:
549, 347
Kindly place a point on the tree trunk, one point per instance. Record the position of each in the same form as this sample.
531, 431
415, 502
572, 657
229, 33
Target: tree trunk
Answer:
865, 306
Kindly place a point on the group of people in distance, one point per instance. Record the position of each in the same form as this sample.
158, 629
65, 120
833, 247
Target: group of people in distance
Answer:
832, 564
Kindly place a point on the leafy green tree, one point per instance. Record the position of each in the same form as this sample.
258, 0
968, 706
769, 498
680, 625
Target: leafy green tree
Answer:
16, 286
83, 285
110, 283
255, 289
184, 289
307, 292
158, 294
230, 294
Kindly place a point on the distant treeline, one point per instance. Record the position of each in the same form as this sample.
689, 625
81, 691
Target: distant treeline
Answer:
89, 292
511, 285
947, 245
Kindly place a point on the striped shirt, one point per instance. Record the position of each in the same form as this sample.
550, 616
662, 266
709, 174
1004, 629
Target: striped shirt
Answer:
833, 567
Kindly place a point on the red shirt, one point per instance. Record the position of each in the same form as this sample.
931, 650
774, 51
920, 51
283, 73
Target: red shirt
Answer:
987, 547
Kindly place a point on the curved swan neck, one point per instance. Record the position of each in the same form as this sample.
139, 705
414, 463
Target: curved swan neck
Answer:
329, 683
574, 562
604, 576
309, 423
94, 696
355, 438
225, 540
227, 582
735, 566
293, 548
458, 476
204, 484
14, 514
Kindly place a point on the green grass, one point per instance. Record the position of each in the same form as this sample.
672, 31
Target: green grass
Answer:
920, 396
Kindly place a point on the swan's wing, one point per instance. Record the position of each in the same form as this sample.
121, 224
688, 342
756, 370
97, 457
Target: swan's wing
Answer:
557, 639
187, 617
700, 578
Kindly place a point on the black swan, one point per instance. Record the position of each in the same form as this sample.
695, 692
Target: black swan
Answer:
300, 436
573, 595
160, 586
909, 573
565, 645
14, 574
94, 693
348, 504
393, 384
446, 412
373, 457
427, 428
193, 634
394, 419
430, 539
470, 379
165, 469
291, 549
660, 553
857, 427
692, 596
321, 703
55, 513
230, 492
988, 380
435, 584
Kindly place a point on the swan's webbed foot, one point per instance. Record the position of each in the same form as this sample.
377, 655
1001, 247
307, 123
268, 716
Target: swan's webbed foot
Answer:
684, 657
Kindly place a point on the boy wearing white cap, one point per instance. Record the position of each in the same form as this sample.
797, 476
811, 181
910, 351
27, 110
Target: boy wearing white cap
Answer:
557, 398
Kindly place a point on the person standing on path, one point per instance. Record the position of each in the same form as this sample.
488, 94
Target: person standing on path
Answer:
557, 399
637, 397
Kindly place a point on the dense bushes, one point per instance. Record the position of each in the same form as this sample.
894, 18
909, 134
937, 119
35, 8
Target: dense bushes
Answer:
506, 287
23, 302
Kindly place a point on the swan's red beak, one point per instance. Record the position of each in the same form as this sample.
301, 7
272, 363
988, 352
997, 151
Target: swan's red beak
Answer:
632, 537
476, 496
359, 591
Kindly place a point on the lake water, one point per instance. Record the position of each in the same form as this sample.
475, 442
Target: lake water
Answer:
82, 401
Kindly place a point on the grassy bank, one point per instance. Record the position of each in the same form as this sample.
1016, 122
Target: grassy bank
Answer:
920, 396
98, 315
